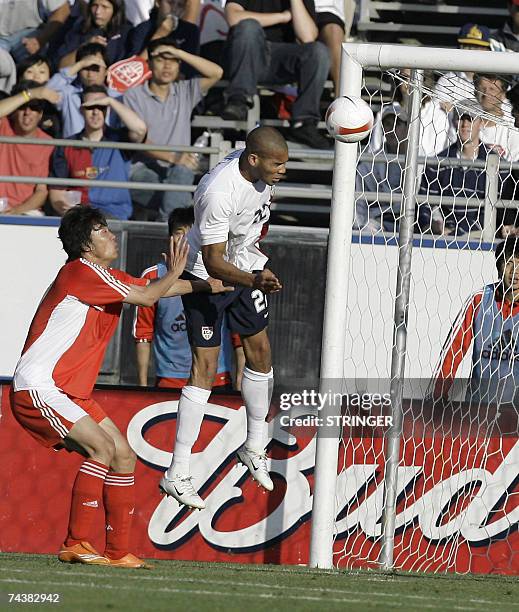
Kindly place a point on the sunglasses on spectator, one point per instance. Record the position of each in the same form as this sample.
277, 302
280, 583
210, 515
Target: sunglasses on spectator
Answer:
35, 105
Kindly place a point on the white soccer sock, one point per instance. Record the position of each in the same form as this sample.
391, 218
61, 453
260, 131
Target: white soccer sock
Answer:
256, 389
191, 409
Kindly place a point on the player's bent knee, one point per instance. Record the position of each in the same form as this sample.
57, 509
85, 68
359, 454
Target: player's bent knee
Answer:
124, 459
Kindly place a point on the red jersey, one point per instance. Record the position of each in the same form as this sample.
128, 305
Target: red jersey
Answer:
460, 340
71, 329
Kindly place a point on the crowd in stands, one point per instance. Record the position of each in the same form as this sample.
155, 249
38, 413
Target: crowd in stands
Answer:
137, 71
134, 70
465, 116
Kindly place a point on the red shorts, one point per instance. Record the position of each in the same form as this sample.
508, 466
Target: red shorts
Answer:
49, 414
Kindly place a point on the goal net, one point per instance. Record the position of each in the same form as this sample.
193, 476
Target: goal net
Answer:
431, 325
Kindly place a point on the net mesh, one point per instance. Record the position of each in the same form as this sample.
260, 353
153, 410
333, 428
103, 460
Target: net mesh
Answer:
457, 506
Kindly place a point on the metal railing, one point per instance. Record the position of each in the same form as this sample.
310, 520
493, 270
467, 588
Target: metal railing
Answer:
309, 159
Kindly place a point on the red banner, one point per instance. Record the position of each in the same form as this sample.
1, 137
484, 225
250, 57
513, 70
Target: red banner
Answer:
458, 507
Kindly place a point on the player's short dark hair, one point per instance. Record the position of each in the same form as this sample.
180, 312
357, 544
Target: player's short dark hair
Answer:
180, 217
264, 141
93, 89
76, 228
507, 249
91, 49
159, 42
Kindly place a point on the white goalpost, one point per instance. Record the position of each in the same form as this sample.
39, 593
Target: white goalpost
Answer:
386, 502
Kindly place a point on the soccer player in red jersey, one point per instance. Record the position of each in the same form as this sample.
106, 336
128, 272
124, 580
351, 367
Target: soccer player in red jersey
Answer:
57, 370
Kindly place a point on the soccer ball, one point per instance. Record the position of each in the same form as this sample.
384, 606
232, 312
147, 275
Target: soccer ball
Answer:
349, 119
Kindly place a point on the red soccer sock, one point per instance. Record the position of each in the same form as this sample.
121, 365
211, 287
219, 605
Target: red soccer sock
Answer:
119, 501
86, 500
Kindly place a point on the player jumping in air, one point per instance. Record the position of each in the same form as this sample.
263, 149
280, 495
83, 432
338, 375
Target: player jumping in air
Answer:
54, 378
232, 208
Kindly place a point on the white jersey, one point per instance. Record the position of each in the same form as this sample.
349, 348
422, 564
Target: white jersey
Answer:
229, 208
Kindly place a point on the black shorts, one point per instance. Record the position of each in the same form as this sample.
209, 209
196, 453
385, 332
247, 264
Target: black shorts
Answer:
325, 18
247, 313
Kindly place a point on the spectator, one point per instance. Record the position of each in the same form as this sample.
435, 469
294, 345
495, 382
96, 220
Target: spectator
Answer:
332, 30
496, 133
455, 86
104, 24
102, 164
20, 115
165, 104
38, 69
162, 327
167, 19
89, 69
262, 47
506, 38
27, 26
465, 183
7, 71
35, 68
382, 175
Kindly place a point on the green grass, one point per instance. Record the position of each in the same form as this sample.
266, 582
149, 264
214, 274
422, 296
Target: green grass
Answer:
186, 586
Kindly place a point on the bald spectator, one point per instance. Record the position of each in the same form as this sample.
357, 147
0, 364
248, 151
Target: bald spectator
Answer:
20, 115
27, 26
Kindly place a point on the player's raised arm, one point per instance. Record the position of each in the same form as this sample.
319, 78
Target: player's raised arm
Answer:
176, 261
218, 267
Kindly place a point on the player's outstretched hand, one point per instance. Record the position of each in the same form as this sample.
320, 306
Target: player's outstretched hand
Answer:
217, 286
267, 282
177, 257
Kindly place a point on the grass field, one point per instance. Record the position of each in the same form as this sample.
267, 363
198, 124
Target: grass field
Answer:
176, 585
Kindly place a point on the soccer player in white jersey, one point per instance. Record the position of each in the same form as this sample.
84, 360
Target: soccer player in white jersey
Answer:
53, 380
232, 208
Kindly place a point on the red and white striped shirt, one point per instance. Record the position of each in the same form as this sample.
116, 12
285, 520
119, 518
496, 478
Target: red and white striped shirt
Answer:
71, 329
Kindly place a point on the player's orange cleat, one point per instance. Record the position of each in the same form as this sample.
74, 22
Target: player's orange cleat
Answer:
129, 561
83, 552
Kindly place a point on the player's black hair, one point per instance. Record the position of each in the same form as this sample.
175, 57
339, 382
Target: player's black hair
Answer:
505, 250
93, 89
91, 49
264, 140
159, 42
76, 227
181, 216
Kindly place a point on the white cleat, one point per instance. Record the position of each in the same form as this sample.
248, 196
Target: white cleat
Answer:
257, 466
181, 488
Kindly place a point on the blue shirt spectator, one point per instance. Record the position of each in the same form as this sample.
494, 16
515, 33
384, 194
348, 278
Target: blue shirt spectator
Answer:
90, 69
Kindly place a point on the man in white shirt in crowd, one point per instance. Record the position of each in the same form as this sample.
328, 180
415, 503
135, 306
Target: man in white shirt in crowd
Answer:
232, 208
